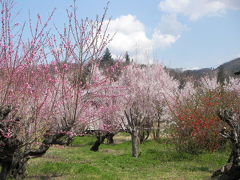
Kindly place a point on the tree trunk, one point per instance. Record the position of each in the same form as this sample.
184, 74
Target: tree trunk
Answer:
144, 135
110, 138
231, 171
156, 131
158, 134
5, 170
18, 167
14, 167
135, 144
14, 161
99, 141
13, 158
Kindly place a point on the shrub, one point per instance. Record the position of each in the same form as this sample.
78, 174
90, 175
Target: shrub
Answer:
197, 125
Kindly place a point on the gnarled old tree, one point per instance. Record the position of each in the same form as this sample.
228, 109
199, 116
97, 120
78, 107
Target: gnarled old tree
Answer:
148, 88
108, 123
231, 171
101, 136
135, 124
40, 103
80, 48
26, 88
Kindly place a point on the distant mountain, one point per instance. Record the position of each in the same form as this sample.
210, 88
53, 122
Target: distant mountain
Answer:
198, 73
229, 68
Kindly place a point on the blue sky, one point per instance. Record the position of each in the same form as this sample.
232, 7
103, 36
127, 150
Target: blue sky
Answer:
178, 33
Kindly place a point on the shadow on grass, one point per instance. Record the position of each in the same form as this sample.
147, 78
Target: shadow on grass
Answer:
42, 177
169, 156
193, 169
82, 144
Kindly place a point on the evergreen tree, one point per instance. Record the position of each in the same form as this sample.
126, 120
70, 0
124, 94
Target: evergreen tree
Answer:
107, 59
222, 77
127, 58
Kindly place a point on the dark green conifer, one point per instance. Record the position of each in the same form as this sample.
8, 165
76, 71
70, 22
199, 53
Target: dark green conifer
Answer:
127, 58
107, 59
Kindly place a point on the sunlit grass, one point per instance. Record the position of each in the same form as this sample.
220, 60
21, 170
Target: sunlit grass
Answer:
158, 160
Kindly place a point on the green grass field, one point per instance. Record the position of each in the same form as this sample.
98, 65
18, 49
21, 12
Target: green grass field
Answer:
158, 160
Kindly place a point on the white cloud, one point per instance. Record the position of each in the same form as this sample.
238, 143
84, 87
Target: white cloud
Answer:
194, 9
131, 36
232, 4
170, 24
193, 68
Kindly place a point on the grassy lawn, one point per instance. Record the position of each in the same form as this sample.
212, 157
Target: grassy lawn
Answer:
158, 160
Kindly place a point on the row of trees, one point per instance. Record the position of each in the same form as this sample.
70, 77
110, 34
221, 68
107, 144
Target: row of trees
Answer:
54, 87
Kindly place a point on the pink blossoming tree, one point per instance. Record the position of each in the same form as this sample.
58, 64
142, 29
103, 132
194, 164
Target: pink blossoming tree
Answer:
42, 103
148, 90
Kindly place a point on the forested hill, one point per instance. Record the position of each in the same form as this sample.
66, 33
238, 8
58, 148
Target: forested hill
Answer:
229, 68
232, 66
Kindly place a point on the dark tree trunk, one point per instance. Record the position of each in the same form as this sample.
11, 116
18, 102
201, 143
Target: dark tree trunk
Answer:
14, 166
157, 132
135, 144
15, 161
5, 170
110, 138
143, 136
231, 171
7, 156
98, 142
69, 140
13, 154
18, 167
8, 146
